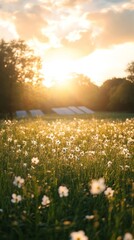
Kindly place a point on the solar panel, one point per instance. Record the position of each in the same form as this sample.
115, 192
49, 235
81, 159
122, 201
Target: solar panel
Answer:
85, 109
76, 110
62, 111
21, 114
36, 113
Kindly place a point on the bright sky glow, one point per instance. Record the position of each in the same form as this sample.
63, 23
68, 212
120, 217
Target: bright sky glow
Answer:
94, 38
57, 70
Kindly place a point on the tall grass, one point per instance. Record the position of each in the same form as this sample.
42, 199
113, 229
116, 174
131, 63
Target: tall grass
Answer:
70, 153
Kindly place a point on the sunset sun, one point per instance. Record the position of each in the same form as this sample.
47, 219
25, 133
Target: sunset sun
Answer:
56, 71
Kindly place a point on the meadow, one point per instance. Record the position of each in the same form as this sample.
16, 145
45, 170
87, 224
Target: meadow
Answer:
67, 178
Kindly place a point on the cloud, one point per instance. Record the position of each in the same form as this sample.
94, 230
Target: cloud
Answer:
113, 1
101, 4
11, 1
7, 27
29, 24
7, 30
79, 25
114, 27
28, 19
82, 46
11, 5
70, 3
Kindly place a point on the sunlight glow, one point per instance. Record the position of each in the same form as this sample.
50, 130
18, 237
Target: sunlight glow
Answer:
56, 71
98, 66
104, 64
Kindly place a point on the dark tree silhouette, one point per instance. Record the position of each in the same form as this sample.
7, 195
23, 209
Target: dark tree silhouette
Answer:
18, 65
130, 71
122, 98
116, 94
106, 90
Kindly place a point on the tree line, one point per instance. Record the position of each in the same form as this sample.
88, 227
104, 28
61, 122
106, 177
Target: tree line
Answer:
21, 85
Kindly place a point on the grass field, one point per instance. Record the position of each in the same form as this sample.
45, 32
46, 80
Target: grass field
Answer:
68, 178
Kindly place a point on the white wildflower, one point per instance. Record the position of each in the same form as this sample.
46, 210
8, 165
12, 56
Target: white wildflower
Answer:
63, 191
80, 235
57, 142
97, 186
109, 192
45, 201
35, 160
9, 139
16, 198
109, 163
128, 236
18, 181
34, 142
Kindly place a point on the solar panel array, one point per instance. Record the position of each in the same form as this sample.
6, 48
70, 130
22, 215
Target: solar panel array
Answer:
72, 110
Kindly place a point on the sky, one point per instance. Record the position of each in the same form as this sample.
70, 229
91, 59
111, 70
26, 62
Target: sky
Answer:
90, 37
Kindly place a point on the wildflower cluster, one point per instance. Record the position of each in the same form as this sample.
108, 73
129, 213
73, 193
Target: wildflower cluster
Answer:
71, 178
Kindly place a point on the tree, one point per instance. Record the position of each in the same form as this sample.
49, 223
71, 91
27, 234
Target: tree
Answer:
79, 90
106, 91
130, 70
80, 80
121, 98
18, 65
116, 94
86, 92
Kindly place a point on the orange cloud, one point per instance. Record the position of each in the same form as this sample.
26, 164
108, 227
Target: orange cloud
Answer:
82, 46
116, 27
70, 3
61, 25
29, 23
